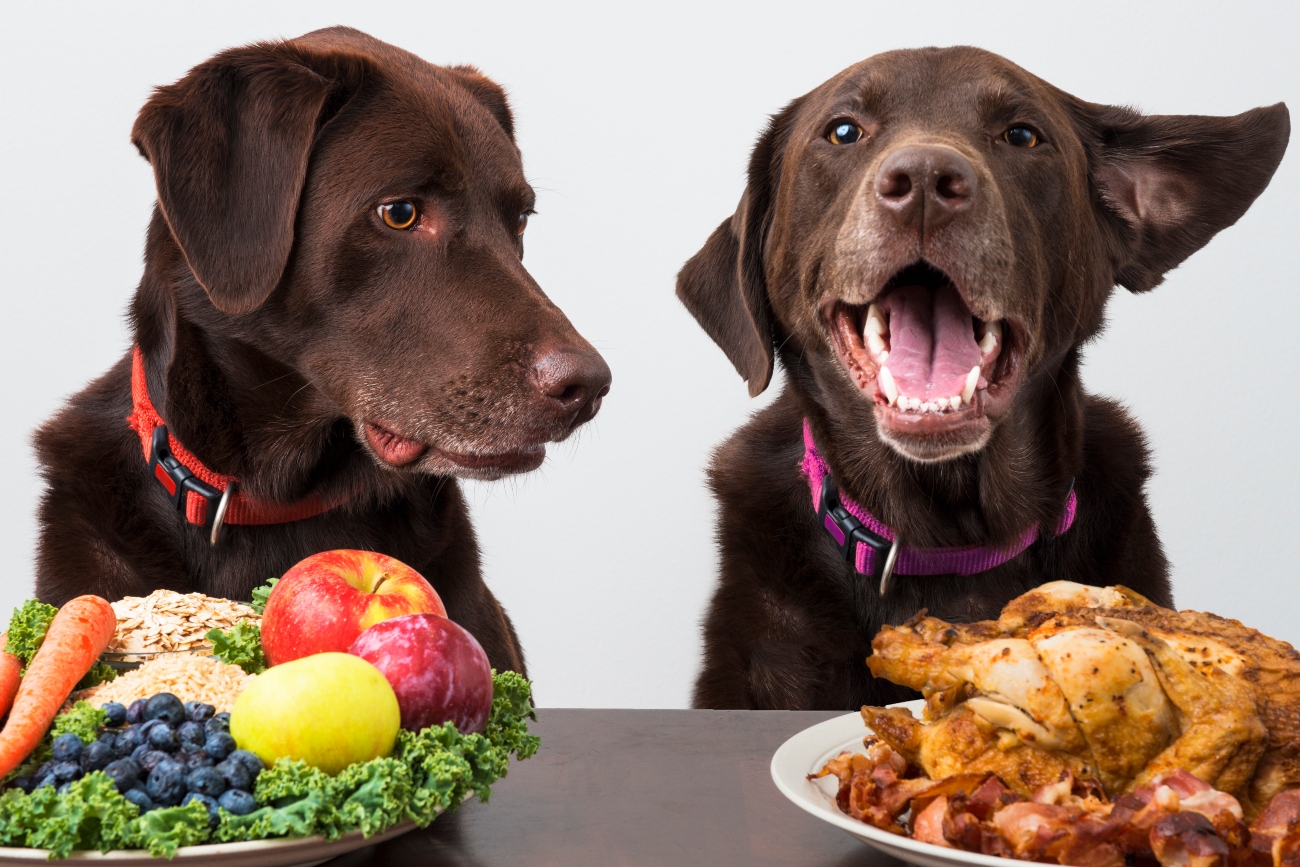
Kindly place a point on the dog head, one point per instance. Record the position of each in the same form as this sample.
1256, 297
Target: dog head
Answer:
931, 228
357, 215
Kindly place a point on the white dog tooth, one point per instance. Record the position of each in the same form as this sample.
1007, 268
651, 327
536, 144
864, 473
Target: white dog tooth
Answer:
927, 406
884, 355
875, 322
875, 342
955, 401
887, 386
987, 342
972, 379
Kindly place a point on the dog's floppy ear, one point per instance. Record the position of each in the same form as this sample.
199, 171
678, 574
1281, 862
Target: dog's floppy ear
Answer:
229, 145
723, 285
1169, 183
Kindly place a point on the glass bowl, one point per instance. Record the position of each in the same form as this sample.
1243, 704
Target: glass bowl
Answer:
129, 660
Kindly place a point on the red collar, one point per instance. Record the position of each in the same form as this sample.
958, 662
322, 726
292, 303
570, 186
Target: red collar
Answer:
207, 498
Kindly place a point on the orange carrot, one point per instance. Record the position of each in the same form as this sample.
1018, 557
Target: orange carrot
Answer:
11, 668
77, 636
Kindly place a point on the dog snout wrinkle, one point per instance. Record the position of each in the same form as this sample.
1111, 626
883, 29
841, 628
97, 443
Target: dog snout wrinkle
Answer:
925, 186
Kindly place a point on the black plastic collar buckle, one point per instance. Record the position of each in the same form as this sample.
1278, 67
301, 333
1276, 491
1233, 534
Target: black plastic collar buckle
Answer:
845, 530
176, 479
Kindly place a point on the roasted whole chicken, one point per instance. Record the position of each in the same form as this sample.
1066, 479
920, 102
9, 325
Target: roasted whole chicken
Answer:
1102, 684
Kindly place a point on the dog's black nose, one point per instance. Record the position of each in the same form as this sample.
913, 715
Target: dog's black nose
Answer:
574, 382
925, 186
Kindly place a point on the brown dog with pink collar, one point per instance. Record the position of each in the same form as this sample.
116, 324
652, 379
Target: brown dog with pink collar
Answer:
926, 241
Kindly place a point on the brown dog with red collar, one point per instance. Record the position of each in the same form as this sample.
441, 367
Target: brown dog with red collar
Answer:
333, 325
925, 242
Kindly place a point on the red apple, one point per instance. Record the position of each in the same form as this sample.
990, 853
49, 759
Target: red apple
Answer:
437, 669
322, 604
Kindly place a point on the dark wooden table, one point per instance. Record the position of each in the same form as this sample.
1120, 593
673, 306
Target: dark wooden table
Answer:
623, 788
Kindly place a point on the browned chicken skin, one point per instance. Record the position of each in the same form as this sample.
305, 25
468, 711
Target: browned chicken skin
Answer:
1099, 682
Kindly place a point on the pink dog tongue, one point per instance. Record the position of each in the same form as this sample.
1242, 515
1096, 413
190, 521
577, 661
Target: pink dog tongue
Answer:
932, 343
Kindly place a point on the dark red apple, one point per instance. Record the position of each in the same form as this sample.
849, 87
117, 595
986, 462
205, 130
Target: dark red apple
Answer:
438, 670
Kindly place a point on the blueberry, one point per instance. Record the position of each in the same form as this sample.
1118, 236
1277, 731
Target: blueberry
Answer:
248, 760
237, 801
65, 771
152, 758
166, 783
163, 737
192, 733
135, 713
140, 798
219, 745
199, 712
63, 789
108, 736
23, 782
123, 773
42, 782
165, 706
217, 724
208, 801
44, 770
129, 738
235, 774
67, 748
199, 759
116, 713
207, 781
97, 756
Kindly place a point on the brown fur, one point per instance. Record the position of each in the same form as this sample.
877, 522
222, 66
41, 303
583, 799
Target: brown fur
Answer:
1110, 196
278, 315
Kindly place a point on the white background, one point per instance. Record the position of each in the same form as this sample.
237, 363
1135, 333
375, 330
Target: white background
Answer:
635, 128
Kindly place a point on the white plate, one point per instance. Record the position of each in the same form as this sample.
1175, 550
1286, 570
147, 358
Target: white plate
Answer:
257, 853
807, 752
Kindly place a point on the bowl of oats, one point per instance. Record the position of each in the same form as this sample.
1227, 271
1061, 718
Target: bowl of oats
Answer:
166, 624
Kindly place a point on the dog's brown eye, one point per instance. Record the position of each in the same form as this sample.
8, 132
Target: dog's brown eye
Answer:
844, 132
1021, 137
399, 215
523, 223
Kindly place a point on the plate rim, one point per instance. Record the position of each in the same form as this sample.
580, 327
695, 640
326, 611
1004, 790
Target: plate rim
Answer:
817, 742
13, 854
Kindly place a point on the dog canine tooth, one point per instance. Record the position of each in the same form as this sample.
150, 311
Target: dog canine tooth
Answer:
972, 379
874, 342
992, 335
887, 386
875, 322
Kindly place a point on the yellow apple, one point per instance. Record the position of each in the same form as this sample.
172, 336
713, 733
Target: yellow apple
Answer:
329, 709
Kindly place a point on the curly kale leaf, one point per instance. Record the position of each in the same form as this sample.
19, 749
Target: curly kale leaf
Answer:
512, 708
311, 814
82, 719
27, 628
261, 594
164, 830
90, 814
240, 646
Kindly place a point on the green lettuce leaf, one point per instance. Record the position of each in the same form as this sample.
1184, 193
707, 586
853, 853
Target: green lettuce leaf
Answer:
240, 646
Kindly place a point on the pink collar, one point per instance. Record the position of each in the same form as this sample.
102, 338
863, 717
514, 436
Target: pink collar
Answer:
874, 549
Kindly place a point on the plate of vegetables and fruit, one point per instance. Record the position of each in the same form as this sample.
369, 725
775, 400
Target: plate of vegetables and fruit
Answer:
332, 741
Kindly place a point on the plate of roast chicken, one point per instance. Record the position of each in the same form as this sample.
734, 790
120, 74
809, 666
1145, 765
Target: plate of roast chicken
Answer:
1085, 726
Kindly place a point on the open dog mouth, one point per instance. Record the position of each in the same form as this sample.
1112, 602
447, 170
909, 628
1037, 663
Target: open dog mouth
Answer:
930, 364
399, 451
